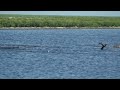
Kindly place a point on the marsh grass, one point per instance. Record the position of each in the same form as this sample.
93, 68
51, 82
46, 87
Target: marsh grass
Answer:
57, 21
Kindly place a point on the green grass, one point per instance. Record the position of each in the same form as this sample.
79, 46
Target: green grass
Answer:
57, 21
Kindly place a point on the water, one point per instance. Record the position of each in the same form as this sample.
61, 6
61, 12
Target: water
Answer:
59, 54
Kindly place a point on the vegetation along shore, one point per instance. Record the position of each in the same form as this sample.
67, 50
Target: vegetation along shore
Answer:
39, 21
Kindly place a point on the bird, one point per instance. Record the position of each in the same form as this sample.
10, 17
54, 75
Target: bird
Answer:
103, 45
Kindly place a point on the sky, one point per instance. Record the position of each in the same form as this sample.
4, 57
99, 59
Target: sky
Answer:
65, 13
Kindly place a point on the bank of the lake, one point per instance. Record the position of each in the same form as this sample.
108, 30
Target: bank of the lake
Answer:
38, 21
38, 28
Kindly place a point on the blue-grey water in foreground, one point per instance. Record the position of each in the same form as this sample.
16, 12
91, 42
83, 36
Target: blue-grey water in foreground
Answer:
59, 54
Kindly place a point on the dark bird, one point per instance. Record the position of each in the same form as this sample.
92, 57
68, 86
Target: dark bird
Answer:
103, 45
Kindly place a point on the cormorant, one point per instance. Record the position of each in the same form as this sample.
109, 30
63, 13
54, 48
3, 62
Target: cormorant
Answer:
103, 45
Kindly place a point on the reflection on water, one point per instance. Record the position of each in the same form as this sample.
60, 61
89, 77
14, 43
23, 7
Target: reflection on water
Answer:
59, 54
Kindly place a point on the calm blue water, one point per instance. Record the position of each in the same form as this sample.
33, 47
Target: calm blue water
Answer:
59, 54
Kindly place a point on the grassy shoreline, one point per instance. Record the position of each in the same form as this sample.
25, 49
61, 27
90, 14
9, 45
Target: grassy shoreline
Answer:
58, 22
37, 28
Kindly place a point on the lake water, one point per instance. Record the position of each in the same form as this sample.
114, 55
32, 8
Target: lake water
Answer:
59, 54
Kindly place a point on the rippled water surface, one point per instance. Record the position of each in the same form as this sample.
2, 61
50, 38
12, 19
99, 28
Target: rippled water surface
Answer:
59, 54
